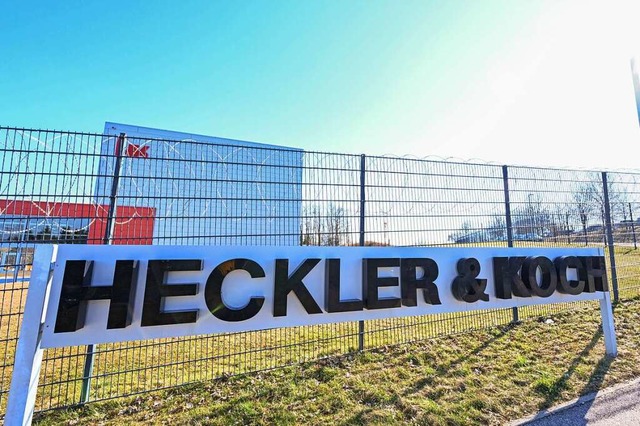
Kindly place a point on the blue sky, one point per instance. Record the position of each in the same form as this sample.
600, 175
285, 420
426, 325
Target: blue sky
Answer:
517, 82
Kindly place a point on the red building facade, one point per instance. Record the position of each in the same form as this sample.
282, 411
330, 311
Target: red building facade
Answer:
133, 225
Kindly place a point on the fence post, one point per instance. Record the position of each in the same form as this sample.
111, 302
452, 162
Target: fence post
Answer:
633, 228
106, 240
612, 256
363, 159
507, 215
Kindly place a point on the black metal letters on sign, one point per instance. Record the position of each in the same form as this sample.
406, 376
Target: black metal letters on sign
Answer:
566, 285
156, 290
410, 283
539, 276
285, 283
519, 276
371, 282
332, 302
77, 291
548, 276
213, 291
507, 277
466, 286
596, 274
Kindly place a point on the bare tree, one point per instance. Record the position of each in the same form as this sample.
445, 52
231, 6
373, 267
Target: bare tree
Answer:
336, 227
561, 222
330, 227
463, 234
497, 228
317, 225
617, 201
532, 218
584, 204
310, 226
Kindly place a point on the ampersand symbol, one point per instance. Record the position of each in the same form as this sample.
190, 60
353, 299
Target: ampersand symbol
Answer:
465, 286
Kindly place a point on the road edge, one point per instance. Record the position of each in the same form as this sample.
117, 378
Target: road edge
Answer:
574, 402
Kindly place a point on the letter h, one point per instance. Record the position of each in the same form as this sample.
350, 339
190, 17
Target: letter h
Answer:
77, 291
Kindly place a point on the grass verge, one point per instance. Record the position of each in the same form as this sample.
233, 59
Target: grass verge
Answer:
489, 376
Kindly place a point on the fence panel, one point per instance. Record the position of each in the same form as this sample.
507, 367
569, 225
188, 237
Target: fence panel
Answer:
556, 208
74, 188
46, 196
624, 195
428, 203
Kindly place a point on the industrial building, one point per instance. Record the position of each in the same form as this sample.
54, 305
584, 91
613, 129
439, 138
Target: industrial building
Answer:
160, 187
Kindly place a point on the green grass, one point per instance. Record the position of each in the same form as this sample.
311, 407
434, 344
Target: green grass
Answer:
489, 376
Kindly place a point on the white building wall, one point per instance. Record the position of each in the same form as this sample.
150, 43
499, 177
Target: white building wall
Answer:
207, 190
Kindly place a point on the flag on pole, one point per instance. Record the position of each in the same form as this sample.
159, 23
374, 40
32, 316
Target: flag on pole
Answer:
132, 150
140, 151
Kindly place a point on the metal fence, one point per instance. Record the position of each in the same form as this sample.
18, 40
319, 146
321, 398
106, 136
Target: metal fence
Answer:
80, 188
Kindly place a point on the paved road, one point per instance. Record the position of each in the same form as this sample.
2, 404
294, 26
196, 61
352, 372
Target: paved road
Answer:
619, 405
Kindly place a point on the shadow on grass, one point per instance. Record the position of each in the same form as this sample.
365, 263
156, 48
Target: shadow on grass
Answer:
551, 389
363, 416
443, 369
594, 384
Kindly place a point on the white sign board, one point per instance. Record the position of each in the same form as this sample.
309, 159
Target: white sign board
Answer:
181, 291
98, 294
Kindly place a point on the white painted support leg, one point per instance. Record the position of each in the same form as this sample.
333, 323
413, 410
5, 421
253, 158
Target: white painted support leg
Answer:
608, 327
28, 357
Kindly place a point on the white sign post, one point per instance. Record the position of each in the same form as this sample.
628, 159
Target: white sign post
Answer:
100, 294
28, 357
